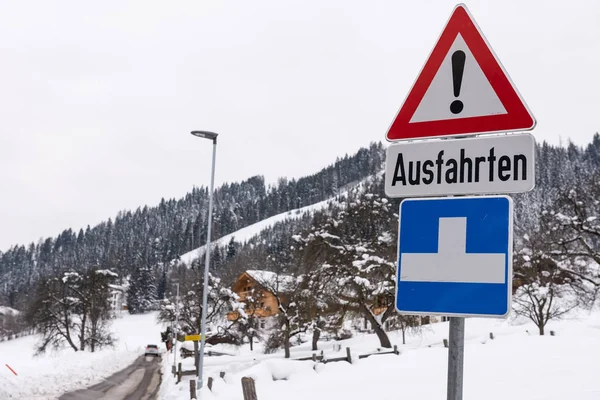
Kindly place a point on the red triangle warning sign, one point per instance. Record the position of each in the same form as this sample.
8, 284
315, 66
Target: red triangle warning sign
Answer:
462, 89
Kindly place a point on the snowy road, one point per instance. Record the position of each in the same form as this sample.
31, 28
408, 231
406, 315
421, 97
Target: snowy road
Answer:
139, 381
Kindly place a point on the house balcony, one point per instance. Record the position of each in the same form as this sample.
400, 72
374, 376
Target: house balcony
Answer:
259, 313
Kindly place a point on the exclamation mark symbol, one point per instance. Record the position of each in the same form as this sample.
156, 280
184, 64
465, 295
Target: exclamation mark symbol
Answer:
458, 67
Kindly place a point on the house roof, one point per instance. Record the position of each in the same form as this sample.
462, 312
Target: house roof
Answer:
8, 311
272, 280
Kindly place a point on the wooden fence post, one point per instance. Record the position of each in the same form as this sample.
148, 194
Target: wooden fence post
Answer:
348, 355
492, 335
193, 389
396, 349
210, 383
196, 356
248, 388
314, 357
178, 372
445, 342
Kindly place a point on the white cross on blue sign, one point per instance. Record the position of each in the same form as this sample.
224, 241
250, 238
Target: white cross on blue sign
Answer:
455, 256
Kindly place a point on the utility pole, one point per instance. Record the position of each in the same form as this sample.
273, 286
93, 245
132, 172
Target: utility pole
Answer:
175, 328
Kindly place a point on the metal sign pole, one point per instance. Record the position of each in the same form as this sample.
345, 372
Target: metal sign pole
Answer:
456, 355
456, 352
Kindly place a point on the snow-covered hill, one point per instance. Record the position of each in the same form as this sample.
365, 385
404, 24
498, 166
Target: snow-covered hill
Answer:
248, 232
48, 376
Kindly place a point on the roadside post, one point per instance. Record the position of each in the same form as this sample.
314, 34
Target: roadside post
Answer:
174, 340
455, 253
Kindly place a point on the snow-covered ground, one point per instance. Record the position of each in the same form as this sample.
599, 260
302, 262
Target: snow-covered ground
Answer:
516, 364
47, 376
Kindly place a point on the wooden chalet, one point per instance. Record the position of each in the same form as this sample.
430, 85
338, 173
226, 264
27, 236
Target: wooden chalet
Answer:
257, 290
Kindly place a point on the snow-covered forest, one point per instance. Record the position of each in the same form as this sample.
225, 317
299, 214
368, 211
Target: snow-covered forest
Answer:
151, 237
342, 258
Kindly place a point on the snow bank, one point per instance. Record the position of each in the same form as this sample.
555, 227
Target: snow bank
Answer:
517, 364
272, 370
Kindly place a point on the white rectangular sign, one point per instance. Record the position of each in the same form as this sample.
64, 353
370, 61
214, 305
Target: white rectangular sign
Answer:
481, 165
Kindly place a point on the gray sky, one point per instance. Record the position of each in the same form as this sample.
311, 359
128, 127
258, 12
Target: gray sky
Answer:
98, 98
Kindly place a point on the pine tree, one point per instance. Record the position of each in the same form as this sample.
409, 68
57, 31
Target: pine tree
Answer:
133, 293
162, 286
230, 250
141, 295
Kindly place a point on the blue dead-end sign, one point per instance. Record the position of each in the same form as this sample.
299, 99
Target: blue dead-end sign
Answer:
455, 256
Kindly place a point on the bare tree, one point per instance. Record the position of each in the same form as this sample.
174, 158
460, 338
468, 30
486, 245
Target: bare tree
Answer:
11, 322
543, 291
249, 320
354, 247
573, 228
220, 300
288, 293
74, 307
52, 313
97, 304
407, 324
321, 307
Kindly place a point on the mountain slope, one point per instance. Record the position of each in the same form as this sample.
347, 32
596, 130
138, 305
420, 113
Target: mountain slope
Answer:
150, 237
252, 231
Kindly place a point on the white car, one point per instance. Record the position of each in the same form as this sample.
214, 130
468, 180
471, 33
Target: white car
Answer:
151, 350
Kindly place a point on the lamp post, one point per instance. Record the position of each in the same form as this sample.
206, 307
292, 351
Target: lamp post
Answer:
175, 330
211, 136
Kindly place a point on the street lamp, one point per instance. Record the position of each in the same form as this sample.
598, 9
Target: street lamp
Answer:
175, 329
206, 135
211, 136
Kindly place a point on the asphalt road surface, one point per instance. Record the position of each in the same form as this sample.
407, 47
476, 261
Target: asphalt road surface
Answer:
139, 381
